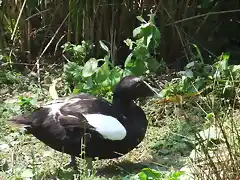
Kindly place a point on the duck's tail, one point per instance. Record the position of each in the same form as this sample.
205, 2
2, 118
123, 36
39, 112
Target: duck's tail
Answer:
19, 121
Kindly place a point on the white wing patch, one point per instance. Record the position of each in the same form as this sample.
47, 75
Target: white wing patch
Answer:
108, 126
55, 106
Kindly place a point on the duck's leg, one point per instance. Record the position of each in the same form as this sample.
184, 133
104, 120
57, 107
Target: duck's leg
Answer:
89, 166
72, 163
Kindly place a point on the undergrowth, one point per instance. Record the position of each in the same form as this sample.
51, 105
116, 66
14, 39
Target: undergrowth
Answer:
193, 128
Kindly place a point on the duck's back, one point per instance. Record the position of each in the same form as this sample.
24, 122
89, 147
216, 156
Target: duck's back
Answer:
62, 123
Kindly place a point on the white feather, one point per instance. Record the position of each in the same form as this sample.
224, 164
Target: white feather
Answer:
108, 126
55, 106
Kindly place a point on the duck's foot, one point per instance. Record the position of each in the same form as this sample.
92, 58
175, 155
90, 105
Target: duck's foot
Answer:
72, 163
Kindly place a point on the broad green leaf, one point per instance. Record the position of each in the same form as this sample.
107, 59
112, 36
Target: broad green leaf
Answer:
199, 82
163, 93
149, 38
151, 35
225, 56
115, 75
190, 65
128, 62
140, 51
141, 19
156, 33
142, 176
71, 67
137, 31
148, 173
106, 59
89, 82
152, 64
90, 67
102, 73
146, 25
126, 72
175, 175
198, 53
209, 116
104, 46
137, 67
76, 91
151, 18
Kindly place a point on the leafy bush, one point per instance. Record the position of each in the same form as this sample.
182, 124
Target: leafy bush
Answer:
148, 173
26, 103
78, 53
98, 76
198, 77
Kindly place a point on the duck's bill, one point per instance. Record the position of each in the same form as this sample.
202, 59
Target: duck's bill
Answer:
156, 94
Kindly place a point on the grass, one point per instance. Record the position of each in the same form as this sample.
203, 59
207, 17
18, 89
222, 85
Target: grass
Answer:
168, 146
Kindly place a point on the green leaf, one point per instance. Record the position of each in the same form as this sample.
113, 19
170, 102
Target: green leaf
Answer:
163, 93
137, 31
199, 82
149, 38
126, 72
128, 61
175, 175
102, 73
71, 67
210, 116
153, 65
151, 18
190, 65
115, 75
141, 50
136, 66
151, 35
90, 67
142, 176
104, 46
148, 173
89, 82
141, 19
225, 56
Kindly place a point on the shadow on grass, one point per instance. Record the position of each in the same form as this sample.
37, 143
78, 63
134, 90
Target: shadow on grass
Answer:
120, 169
172, 150
115, 170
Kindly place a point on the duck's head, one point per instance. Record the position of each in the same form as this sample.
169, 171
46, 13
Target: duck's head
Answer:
131, 87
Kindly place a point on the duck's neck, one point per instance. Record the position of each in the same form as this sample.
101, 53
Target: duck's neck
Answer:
123, 105
136, 123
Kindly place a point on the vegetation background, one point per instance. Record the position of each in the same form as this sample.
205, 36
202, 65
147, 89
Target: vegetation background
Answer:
189, 50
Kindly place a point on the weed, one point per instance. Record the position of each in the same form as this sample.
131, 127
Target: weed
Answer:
99, 76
